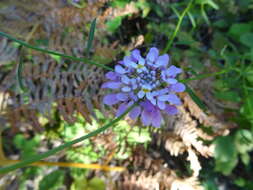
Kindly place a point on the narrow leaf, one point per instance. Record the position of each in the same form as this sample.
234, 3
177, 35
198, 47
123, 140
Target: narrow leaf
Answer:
91, 36
19, 73
195, 98
192, 19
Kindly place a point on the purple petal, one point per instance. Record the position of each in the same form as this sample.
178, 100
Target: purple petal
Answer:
126, 89
121, 62
173, 71
133, 96
129, 62
135, 112
146, 117
163, 97
162, 91
156, 118
162, 60
178, 87
161, 105
153, 101
110, 99
149, 96
120, 69
111, 85
122, 108
141, 94
141, 61
136, 55
171, 80
125, 79
147, 105
152, 54
171, 110
111, 75
122, 96
173, 99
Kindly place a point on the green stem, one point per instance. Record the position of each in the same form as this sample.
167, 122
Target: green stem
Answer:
54, 52
168, 46
205, 76
62, 147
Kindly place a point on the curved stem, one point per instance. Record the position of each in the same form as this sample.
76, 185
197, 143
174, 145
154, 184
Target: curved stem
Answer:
62, 147
168, 46
54, 52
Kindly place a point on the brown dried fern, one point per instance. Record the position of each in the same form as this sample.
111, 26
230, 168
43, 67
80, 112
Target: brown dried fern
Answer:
71, 88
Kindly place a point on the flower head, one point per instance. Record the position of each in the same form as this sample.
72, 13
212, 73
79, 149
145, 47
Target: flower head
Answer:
150, 80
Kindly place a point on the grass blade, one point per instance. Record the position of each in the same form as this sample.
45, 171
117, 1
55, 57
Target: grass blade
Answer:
62, 147
19, 73
195, 98
85, 60
91, 36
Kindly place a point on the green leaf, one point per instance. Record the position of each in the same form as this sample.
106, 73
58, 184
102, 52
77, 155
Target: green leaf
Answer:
225, 154
236, 30
249, 73
195, 98
244, 141
210, 185
91, 36
27, 147
120, 3
53, 181
96, 184
245, 158
212, 4
247, 39
247, 108
228, 96
114, 24
144, 6
191, 19
139, 137
240, 182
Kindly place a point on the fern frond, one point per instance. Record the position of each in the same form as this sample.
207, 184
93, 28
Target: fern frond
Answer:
70, 88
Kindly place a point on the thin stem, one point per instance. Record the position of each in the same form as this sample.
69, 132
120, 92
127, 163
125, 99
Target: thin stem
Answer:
62, 147
205, 76
54, 52
168, 46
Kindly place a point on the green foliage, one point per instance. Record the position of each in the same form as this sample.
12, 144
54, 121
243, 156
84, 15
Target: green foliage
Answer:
229, 149
114, 24
225, 155
27, 147
131, 136
52, 181
126, 137
93, 184
119, 3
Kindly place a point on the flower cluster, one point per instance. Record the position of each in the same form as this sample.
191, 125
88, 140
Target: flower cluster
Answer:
151, 81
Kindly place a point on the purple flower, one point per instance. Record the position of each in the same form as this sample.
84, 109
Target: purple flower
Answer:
149, 80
